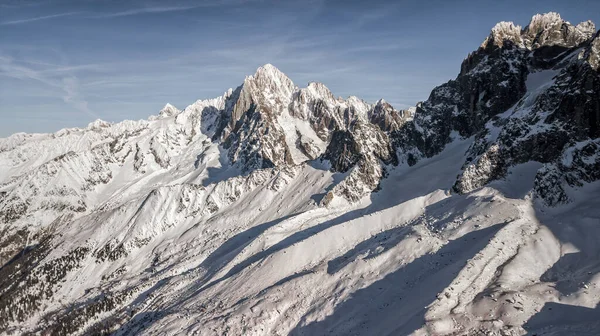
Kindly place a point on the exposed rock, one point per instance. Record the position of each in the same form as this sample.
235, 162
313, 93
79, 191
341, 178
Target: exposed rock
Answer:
386, 117
578, 164
551, 30
504, 32
343, 151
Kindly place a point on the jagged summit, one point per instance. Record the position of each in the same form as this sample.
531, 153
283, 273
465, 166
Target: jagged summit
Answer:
168, 110
269, 76
587, 27
169, 106
269, 69
550, 29
547, 29
539, 22
504, 31
319, 89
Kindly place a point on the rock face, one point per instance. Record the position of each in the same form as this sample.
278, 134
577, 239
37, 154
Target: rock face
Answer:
269, 122
387, 118
578, 164
525, 94
559, 109
551, 30
115, 190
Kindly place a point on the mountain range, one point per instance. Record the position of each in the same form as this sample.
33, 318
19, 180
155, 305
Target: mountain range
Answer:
276, 210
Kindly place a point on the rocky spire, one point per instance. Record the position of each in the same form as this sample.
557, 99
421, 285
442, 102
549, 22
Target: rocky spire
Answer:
384, 115
503, 32
269, 88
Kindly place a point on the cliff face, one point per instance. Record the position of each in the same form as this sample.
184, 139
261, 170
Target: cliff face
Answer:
525, 94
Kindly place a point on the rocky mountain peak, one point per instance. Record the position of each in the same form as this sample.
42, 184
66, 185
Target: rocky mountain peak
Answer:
168, 111
547, 29
540, 22
504, 31
384, 115
267, 92
551, 30
381, 107
98, 124
587, 27
268, 77
381, 101
268, 70
320, 90
358, 106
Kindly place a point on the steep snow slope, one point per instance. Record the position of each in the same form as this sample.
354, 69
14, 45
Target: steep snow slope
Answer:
277, 210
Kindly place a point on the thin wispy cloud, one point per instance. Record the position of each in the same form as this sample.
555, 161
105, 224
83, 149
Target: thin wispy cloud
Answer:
68, 84
126, 59
12, 4
38, 18
72, 96
146, 10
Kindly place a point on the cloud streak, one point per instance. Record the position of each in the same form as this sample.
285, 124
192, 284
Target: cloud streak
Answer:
38, 18
147, 10
166, 9
68, 84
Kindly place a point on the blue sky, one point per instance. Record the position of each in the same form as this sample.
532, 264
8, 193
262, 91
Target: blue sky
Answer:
66, 63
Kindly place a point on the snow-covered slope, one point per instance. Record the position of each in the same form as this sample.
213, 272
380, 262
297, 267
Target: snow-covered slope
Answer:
277, 210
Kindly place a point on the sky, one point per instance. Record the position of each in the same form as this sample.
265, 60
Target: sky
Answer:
65, 63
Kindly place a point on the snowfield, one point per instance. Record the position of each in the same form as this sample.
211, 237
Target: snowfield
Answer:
414, 258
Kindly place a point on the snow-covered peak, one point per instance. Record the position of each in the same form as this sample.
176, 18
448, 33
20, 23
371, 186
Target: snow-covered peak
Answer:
380, 107
269, 70
270, 76
360, 107
384, 115
550, 29
504, 31
586, 27
543, 30
98, 124
358, 102
540, 22
268, 86
167, 111
169, 107
381, 102
319, 90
